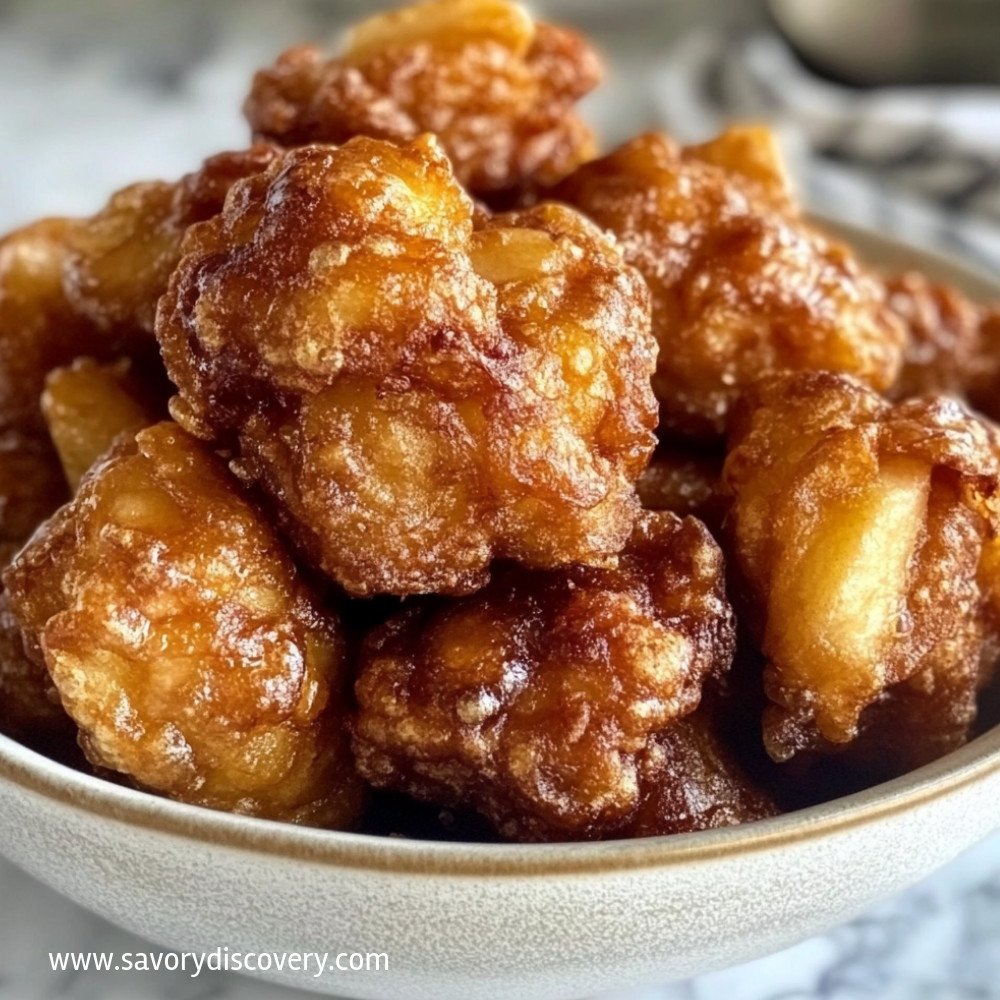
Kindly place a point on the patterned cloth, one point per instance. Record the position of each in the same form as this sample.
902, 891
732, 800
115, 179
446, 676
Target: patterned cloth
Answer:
932, 154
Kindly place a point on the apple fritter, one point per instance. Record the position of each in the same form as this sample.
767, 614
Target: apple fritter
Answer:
692, 780
182, 640
418, 395
857, 531
87, 287
741, 285
31, 482
119, 260
536, 700
29, 704
687, 481
496, 88
39, 328
952, 343
88, 405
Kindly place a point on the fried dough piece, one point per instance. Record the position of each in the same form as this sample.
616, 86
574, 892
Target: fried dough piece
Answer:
416, 396
741, 285
118, 261
182, 640
88, 405
983, 390
858, 530
952, 343
29, 704
39, 328
535, 700
87, 287
495, 87
686, 481
31, 482
691, 780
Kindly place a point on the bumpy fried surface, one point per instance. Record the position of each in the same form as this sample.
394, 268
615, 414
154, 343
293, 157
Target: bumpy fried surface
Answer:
416, 396
535, 700
118, 261
983, 390
686, 481
741, 285
74, 287
942, 335
858, 530
29, 705
31, 482
182, 641
495, 87
88, 405
691, 780
952, 343
39, 329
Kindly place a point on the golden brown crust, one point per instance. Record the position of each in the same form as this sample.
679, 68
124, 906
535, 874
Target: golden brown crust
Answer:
31, 482
118, 261
39, 329
496, 88
88, 405
691, 780
741, 285
535, 700
29, 705
983, 388
952, 343
183, 642
87, 287
687, 481
857, 531
415, 395
942, 335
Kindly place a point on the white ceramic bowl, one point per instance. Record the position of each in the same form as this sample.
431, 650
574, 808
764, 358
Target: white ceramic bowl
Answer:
487, 922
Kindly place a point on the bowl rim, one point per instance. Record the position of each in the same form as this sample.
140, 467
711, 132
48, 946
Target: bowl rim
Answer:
971, 764
37, 774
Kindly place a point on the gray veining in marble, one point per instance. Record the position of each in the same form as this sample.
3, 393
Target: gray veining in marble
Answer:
100, 93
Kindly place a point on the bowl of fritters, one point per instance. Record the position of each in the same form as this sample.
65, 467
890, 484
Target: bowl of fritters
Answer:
425, 536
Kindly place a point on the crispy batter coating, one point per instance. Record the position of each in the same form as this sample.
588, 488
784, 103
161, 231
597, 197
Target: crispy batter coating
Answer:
983, 390
72, 287
183, 642
416, 396
536, 700
496, 88
29, 705
857, 530
952, 343
692, 780
741, 285
31, 482
942, 335
687, 481
118, 261
88, 405
39, 329
88, 287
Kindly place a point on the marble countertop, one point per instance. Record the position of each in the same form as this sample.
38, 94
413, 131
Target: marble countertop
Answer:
939, 941
100, 93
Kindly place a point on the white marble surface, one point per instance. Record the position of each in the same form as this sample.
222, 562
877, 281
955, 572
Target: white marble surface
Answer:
939, 941
99, 93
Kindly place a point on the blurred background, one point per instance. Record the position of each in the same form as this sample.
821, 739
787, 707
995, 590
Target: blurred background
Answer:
890, 110
890, 115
